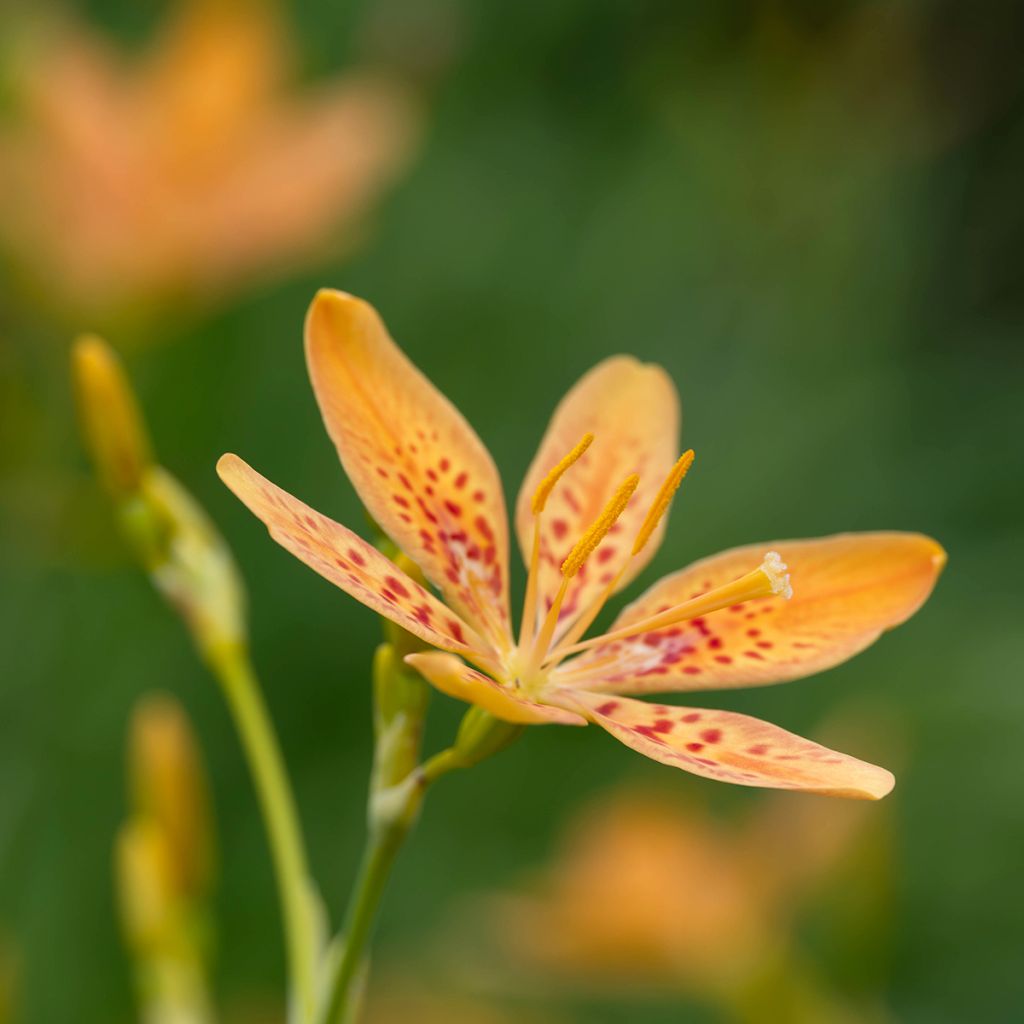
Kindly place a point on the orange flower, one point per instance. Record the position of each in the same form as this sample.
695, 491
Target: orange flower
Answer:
724, 622
192, 167
647, 890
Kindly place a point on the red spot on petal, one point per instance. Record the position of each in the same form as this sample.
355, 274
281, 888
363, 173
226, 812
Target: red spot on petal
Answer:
455, 510
711, 735
692, 716
356, 557
723, 659
460, 480
397, 586
695, 747
692, 670
607, 707
444, 465
758, 750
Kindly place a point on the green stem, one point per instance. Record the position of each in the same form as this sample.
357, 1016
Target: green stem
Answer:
393, 812
280, 816
378, 859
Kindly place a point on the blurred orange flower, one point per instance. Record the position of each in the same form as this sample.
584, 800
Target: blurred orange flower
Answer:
648, 890
191, 167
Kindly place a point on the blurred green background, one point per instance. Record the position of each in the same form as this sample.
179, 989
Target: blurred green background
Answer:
811, 214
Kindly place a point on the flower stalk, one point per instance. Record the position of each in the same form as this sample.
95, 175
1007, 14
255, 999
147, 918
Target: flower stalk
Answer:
193, 568
397, 789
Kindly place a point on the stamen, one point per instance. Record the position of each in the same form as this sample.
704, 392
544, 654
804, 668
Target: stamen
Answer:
580, 553
540, 497
528, 623
658, 508
547, 485
585, 546
775, 569
663, 499
768, 579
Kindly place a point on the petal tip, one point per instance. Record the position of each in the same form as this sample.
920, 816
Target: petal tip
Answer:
228, 466
875, 786
939, 557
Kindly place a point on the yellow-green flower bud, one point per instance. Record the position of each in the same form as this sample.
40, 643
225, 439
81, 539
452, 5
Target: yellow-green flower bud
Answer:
169, 789
111, 421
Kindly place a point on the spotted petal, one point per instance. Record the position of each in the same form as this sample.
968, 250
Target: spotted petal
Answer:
348, 561
457, 679
417, 465
632, 410
847, 590
730, 747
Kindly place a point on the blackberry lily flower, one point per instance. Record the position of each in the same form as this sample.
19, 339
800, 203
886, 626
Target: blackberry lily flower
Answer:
589, 517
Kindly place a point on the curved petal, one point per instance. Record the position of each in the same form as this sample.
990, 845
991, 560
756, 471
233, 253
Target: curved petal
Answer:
632, 410
416, 464
730, 747
457, 679
349, 562
847, 590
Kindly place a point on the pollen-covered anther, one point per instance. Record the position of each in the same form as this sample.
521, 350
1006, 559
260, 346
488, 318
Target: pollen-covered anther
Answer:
663, 499
775, 569
597, 531
547, 485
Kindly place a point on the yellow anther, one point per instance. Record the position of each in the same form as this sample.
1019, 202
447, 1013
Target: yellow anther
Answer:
663, 499
547, 485
596, 533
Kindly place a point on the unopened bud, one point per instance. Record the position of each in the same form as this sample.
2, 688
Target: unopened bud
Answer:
112, 423
168, 788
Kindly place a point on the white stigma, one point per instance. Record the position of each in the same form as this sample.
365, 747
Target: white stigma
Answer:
775, 569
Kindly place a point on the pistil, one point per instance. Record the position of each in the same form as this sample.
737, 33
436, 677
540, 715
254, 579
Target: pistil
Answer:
768, 579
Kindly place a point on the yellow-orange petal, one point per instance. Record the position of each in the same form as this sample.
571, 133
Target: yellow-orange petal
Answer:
730, 747
847, 590
632, 410
417, 465
348, 561
457, 679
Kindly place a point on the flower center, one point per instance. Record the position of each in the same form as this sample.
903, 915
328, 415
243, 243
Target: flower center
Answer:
531, 662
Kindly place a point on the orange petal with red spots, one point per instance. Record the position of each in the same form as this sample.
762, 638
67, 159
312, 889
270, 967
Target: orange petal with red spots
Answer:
348, 561
729, 747
417, 465
632, 410
457, 679
847, 590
